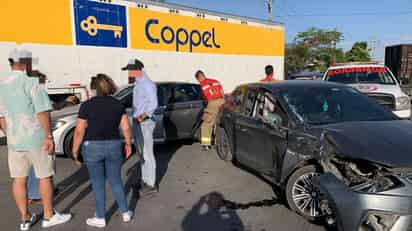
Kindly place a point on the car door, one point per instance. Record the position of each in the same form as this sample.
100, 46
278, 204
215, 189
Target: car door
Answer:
126, 98
183, 112
260, 140
272, 131
245, 142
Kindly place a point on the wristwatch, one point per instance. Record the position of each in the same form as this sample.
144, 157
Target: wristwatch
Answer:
50, 137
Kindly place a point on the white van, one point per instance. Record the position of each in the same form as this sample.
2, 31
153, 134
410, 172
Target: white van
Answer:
376, 81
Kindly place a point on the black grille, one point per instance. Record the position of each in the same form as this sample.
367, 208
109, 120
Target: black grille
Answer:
384, 99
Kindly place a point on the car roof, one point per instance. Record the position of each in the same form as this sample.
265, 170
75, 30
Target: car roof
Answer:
164, 82
157, 83
293, 84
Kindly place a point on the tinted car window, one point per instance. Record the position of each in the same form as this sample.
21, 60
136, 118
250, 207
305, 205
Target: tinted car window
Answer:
126, 95
186, 93
164, 94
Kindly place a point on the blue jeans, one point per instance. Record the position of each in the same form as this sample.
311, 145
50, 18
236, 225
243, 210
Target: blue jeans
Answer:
33, 186
143, 136
104, 160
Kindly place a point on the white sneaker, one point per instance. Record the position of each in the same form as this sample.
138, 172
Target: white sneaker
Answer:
56, 219
96, 222
127, 216
26, 225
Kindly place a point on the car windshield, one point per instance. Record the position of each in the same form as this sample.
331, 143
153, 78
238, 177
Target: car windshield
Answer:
359, 75
325, 105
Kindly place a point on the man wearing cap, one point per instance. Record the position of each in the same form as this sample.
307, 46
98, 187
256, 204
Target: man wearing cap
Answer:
26, 106
144, 105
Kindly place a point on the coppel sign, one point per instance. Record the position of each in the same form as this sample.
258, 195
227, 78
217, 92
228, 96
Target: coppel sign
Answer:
180, 36
160, 31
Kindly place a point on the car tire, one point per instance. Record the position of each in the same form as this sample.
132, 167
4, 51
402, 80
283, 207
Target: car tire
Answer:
223, 147
302, 195
67, 145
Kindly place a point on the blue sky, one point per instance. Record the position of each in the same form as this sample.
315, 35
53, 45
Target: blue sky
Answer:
386, 21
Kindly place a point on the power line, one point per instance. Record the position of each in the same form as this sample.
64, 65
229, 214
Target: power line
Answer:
349, 14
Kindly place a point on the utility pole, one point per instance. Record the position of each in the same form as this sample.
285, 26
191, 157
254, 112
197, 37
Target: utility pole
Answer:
373, 47
270, 9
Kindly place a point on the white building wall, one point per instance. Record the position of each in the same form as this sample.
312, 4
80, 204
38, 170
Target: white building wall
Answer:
76, 64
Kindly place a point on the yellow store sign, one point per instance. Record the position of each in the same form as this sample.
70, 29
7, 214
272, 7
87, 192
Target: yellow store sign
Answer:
152, 30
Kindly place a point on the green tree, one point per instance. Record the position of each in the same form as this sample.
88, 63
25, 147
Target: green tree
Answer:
297, 56
315, 47
358, 53
316, 38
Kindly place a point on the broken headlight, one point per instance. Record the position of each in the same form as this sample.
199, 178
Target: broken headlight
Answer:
362, 176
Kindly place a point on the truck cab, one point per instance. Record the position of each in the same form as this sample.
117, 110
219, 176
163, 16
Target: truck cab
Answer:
374, 80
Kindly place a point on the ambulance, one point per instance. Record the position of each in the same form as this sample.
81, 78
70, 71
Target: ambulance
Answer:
374, 80
74, 40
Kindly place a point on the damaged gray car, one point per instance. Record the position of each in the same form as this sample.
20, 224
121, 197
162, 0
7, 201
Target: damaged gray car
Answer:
338, 155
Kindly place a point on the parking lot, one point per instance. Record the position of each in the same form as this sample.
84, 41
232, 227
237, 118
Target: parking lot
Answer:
195, 189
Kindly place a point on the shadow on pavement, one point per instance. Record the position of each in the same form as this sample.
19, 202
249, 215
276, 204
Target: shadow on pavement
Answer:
210, 213
163, 153
276, 190
69, 185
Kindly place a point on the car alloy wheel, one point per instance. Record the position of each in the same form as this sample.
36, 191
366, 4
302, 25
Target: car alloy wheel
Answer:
223, 147
302, 195
306, 196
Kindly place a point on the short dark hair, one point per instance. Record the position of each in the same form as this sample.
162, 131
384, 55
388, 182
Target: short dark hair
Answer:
11, 62
93, 83
105, 85
269, 70
199, 73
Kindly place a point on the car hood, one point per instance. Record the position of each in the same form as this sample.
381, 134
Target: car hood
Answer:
386, 142
67, 111
379, 88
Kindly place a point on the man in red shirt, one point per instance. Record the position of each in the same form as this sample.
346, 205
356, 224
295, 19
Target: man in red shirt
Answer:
269, 75
213, 93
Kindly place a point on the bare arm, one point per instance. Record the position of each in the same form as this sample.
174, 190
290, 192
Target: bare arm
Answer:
127, 133
3, 124
79, 133
44, 120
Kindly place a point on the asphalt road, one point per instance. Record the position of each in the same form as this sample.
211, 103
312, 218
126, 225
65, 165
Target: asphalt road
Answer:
195, 190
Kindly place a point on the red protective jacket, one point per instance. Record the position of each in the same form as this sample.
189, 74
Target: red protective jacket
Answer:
212, 89
267, 79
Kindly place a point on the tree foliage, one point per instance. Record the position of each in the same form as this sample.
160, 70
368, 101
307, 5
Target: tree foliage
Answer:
358, 53
317, 48
317, 38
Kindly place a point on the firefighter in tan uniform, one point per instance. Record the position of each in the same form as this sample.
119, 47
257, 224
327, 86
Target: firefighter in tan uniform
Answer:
213, 93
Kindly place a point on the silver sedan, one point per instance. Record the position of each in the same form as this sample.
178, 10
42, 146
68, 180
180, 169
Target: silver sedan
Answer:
178, 116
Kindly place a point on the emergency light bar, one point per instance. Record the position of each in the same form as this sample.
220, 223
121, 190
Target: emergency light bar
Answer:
356, 63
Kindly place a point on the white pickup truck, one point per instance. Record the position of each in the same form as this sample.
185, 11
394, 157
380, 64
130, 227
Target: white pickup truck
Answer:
376, 81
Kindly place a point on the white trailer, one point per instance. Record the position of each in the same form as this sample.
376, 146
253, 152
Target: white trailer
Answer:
76, 39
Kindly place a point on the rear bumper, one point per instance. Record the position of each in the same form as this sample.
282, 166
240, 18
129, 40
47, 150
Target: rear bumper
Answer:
352, 208
405, 114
